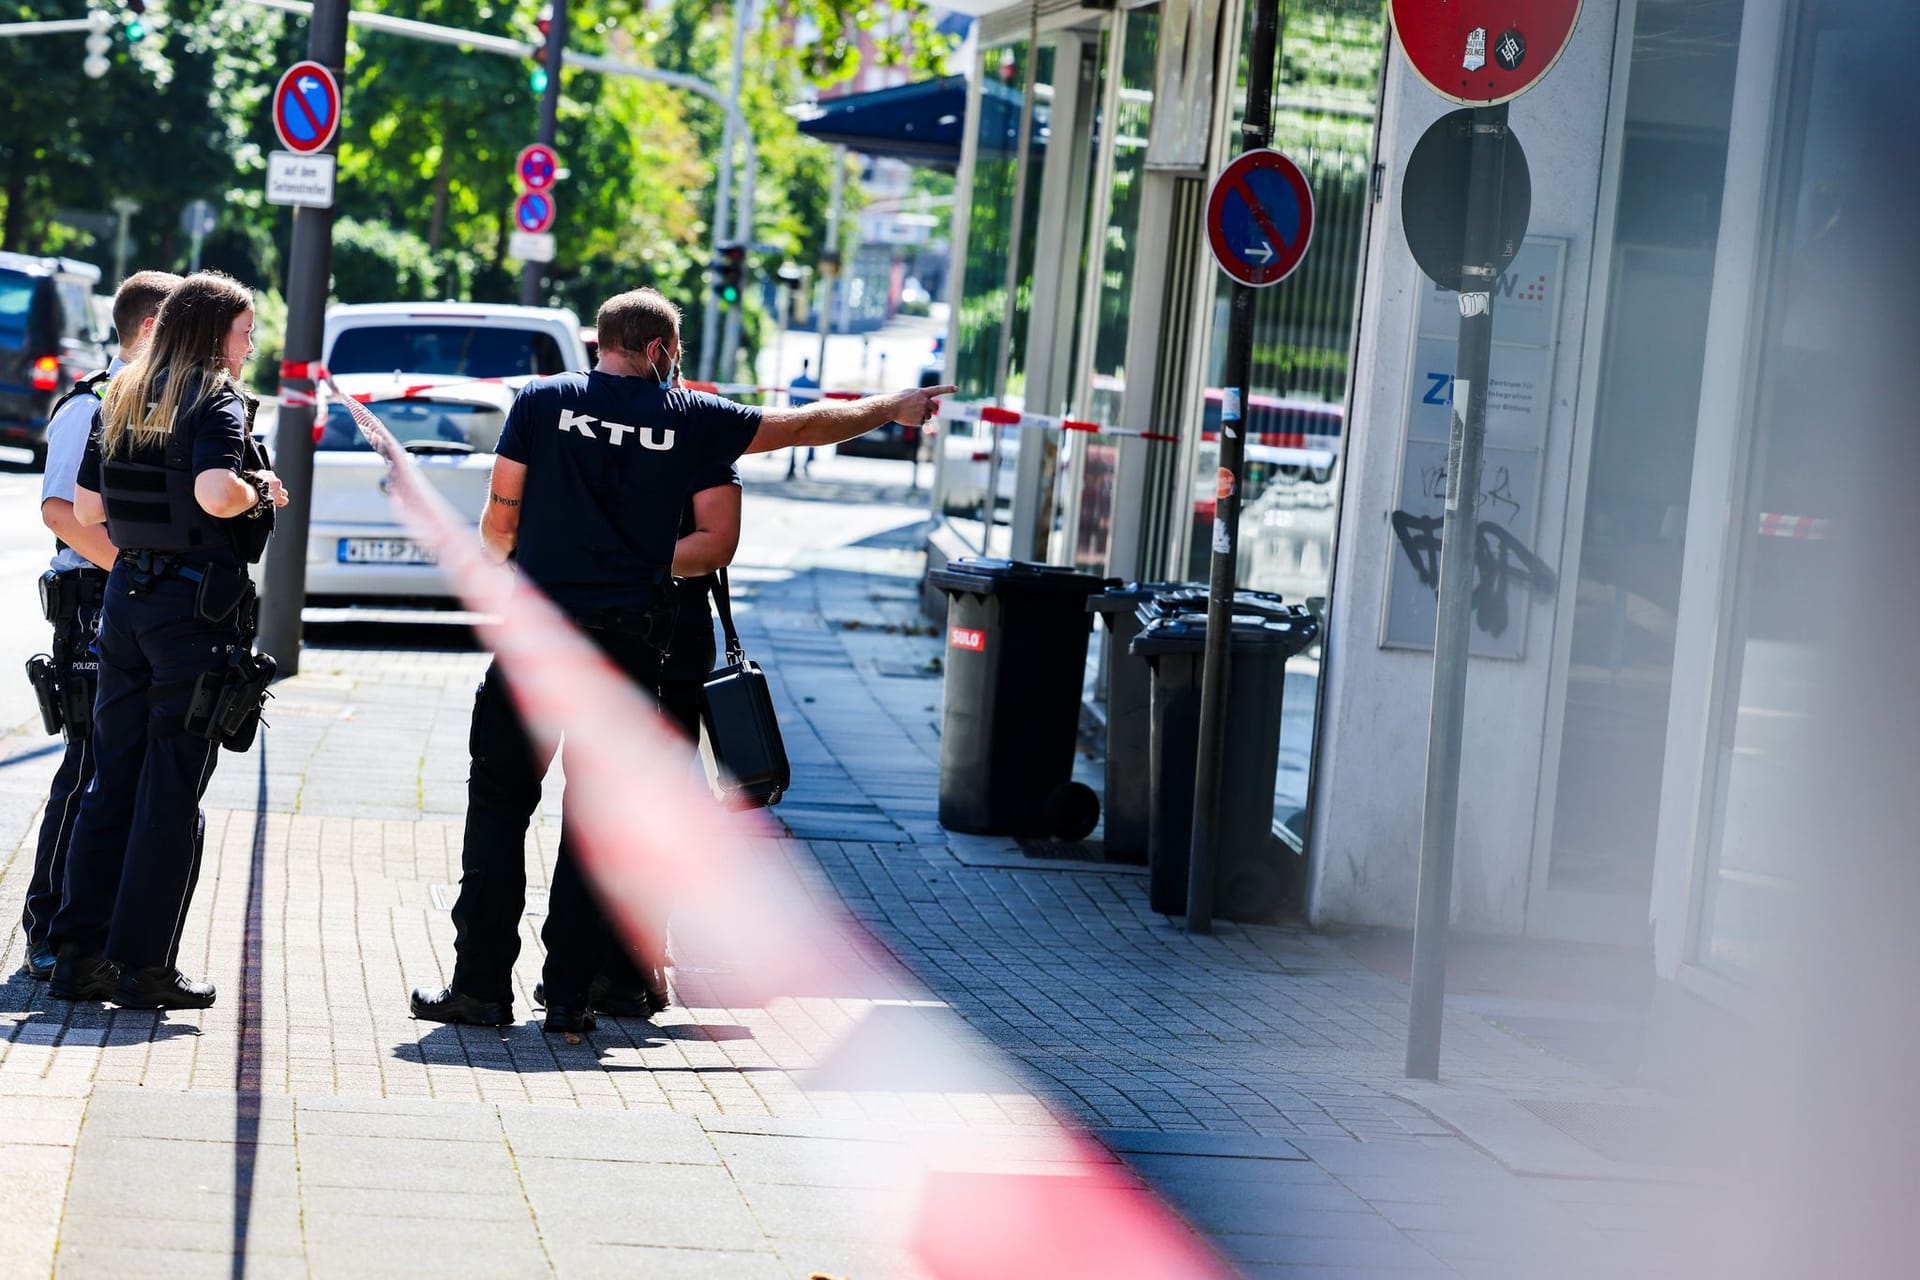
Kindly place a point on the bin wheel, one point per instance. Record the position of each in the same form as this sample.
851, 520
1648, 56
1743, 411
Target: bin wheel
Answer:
1072, 810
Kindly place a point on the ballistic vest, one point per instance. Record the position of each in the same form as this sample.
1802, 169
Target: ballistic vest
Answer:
151, 507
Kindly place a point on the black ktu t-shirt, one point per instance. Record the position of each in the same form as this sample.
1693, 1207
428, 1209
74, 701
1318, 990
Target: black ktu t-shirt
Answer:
610, 462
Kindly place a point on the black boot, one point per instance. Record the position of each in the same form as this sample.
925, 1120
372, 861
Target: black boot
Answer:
448, 1005
574, 1020
161, 986
83, 975
40, 961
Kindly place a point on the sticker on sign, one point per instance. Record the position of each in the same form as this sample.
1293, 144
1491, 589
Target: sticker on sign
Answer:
295, 179
531, 246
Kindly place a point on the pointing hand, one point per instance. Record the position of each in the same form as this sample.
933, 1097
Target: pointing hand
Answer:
917, 407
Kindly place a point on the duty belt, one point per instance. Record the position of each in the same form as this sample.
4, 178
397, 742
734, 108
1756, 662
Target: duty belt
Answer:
63, 592
163, 564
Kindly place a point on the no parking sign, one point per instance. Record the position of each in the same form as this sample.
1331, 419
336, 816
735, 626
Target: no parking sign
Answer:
1260, 218
306, 108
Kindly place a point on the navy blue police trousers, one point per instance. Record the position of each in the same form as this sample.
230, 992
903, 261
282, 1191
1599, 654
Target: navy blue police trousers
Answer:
134, 858
73, 655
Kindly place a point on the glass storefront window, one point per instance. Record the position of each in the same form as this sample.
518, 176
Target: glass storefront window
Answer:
1084, 497
1640, 469
990, 219
1814, 393
1324, 100
1022, 307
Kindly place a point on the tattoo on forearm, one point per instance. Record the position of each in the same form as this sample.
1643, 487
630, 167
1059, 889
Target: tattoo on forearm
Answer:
505, 502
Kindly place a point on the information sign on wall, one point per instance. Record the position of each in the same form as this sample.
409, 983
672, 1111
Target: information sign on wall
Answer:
1508, 568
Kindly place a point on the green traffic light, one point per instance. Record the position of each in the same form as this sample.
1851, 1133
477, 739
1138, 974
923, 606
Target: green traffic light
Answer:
136, 31
537, 81
729, 295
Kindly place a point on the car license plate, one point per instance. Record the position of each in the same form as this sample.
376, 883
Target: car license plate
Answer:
384, 551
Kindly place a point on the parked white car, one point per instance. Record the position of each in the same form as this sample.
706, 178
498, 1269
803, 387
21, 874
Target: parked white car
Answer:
454, 340
966, 449
357, 551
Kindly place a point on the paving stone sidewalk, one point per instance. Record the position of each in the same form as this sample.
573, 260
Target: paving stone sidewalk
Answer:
306, 1125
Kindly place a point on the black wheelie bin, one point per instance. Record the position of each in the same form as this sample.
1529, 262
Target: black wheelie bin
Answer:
1129, 774
1129, 765
1016, 658
1252, 879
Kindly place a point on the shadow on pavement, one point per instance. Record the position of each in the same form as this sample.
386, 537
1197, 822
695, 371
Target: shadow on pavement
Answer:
395, 629
524, 1047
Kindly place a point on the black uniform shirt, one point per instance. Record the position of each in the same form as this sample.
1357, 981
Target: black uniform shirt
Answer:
610, 462
216, 431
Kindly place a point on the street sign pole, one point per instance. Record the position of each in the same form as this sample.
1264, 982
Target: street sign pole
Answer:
124, 207
1256, 131
531, 273
309, 267
1453, 626
836, 189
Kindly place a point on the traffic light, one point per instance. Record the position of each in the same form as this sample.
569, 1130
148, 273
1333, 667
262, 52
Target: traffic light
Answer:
727, 271
135, 30
537, 74
99, 22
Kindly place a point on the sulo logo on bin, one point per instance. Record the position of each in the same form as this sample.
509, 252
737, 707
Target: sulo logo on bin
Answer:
967, 638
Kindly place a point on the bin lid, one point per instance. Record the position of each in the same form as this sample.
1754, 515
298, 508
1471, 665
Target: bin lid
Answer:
1187, 633
1187, 597
1130, 595
978, 575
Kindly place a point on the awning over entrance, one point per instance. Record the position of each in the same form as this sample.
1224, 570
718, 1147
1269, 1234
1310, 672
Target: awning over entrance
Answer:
922, 123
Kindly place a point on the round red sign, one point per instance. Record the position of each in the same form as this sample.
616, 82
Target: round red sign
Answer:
1260, 218
1482, 52
306, 107
537, 167
534, 211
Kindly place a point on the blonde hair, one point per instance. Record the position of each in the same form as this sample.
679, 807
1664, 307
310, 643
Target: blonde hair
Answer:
188, 348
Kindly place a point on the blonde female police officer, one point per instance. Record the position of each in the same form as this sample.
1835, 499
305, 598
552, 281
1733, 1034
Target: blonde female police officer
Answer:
602, 462
187, 497
71, 592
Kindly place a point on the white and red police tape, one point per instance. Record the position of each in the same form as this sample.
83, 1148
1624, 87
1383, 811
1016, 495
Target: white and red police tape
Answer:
1048, 1205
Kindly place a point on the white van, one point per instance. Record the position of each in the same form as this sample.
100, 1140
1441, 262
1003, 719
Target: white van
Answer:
453, 340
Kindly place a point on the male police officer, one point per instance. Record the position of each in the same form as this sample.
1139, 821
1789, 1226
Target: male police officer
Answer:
70, 593
590, 475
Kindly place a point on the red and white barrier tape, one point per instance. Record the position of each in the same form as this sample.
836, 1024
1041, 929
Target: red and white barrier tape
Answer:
1807, 527
647, 832
994, 415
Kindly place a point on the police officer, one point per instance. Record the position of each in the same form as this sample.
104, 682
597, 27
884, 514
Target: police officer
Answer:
70, 592
187, 496
588, 481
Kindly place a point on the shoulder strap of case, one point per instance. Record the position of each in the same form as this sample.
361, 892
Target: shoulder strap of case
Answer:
736, 652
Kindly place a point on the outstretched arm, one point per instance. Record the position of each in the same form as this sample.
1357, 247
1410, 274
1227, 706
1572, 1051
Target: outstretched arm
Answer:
831, 421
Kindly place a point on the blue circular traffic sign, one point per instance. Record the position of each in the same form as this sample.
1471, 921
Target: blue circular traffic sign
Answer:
533, 211
537, 167
1260, 218
306, 107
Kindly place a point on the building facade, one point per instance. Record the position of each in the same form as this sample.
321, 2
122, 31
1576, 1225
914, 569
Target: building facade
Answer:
1656, 482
